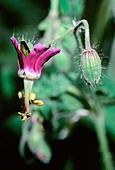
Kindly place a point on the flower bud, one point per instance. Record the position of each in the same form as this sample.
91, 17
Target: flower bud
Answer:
38, 144
91, 66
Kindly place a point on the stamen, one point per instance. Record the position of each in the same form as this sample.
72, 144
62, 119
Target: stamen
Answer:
32, 96
25, 116
38, 102
20, 95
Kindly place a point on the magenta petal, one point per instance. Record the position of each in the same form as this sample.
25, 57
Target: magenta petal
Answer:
33, 56
45, 57
39, 48
20, 54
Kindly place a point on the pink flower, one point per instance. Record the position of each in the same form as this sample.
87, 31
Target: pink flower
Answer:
30, 63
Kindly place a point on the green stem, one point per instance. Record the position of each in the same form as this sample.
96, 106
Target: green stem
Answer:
103, 143
78, 41
54, 7
69, 31
87, 34
99, 122
73, 30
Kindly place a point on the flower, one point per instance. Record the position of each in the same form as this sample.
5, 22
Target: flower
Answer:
30, 63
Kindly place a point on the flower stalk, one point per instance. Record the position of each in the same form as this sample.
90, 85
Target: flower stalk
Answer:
100, 129
87, 34
103, 143
85, 25
69, 31
72, 30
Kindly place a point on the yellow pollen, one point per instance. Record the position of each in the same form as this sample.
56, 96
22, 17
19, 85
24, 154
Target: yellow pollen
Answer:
20, 95
38, 102
32, 96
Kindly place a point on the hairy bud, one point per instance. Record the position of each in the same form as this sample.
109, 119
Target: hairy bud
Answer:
91, 66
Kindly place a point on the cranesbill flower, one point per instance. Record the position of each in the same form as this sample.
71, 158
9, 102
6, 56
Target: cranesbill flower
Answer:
30, 65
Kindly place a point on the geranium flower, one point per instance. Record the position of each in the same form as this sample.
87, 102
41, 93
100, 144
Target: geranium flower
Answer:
30, 65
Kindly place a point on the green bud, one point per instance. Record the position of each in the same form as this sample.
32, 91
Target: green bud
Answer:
38, 144
91, 66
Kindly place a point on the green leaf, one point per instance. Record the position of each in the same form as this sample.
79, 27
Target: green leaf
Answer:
72, 8
70, 103
63, 61
108, 85
52, 86
64, 6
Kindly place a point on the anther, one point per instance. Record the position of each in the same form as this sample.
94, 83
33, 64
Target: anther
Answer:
38, 102
20, 95
32, 96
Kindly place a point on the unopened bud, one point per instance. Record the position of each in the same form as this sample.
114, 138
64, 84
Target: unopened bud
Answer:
91, 66
38, 144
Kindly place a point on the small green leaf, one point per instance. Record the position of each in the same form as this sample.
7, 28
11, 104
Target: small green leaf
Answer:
62, 61
70, 103
52, 86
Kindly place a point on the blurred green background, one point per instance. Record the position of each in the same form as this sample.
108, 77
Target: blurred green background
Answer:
73, 143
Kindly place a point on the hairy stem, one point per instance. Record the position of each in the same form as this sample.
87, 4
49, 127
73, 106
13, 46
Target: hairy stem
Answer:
69, 31
103, 143
86, 29
100, 129
54, 7
73, 30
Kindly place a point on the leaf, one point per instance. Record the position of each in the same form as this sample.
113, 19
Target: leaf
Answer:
70, 103
52, 86
72, 8
63, 61
108, 85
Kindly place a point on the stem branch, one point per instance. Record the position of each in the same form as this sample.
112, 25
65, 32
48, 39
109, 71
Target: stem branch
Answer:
69, 31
